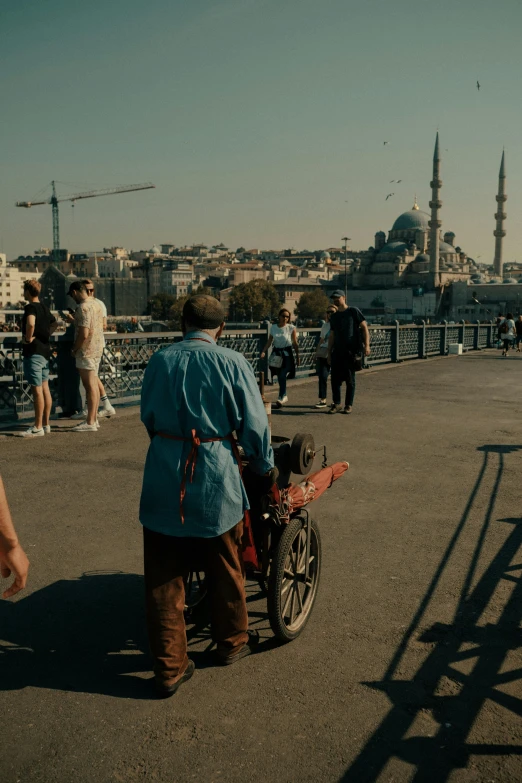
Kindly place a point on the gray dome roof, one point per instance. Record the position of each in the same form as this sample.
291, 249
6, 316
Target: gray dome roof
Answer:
325, 254
423, 257
412, 219
396, 247
509, 280
445, 248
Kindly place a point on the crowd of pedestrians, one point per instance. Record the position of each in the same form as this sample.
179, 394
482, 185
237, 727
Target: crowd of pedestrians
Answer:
343, 341
86, 323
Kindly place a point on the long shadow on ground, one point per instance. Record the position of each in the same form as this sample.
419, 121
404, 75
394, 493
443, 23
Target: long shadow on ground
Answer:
88, 635
434, 758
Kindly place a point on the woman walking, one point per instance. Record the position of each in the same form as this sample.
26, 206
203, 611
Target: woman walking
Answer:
507, 333
283, 336
321, 355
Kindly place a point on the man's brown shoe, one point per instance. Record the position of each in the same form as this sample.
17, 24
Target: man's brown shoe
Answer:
334, 409
164, 691
247, 649
348, 409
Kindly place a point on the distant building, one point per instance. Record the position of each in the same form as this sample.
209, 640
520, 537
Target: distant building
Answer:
12, 282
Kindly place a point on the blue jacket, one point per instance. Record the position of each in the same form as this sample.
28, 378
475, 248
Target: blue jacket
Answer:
196, 384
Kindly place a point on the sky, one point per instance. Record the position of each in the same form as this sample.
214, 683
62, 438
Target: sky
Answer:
261, 122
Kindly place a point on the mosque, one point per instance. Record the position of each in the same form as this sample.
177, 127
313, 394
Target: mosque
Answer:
417, 254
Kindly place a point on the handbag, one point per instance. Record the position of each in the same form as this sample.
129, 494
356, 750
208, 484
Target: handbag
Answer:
275, 361
322, 352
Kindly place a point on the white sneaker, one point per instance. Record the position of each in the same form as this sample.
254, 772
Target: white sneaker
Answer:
320, 404
79, 415
84, 427
47, 429
285, 399
32, 432
107, 410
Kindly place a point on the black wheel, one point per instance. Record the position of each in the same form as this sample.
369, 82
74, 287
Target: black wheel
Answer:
290, 596
195, 590
302, 453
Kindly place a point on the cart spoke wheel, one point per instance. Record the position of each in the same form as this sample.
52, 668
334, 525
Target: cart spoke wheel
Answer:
195, 590
291, 591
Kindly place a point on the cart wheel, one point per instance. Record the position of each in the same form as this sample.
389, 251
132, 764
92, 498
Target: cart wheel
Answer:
302, 453
195, 591
290, 597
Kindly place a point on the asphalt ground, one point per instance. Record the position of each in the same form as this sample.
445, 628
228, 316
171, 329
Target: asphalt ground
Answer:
410, 666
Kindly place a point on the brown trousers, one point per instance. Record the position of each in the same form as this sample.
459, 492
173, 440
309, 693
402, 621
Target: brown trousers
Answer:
168, 560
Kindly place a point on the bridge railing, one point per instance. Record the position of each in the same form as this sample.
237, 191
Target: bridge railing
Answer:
126, 356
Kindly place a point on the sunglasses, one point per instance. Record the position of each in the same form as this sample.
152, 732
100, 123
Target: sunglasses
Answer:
330, 312
90, 290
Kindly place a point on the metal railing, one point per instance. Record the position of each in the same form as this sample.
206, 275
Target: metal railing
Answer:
126, 356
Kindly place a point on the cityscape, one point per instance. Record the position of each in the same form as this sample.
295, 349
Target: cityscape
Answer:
260, 437
416, 270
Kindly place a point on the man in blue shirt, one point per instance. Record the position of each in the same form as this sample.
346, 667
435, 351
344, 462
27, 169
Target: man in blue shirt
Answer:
195, 395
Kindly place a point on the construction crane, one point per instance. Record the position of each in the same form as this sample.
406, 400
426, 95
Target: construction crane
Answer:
53, 200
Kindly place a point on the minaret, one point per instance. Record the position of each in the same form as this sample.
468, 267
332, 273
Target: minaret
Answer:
500, 216
435, 222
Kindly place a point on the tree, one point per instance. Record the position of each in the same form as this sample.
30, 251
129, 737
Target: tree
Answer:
312, 304
159, 305
254, 301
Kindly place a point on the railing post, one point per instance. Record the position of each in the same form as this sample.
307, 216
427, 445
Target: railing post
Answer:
443, 338
422, 341
396, 351
476, 341
462, 334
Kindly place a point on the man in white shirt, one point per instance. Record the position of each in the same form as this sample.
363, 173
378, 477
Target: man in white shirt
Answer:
106, 408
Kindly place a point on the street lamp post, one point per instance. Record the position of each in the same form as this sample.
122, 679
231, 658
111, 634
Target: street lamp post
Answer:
345, 240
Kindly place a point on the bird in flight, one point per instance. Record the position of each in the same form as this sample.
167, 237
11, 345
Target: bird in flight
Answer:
385, 142
389, 196
399, 180
478, 85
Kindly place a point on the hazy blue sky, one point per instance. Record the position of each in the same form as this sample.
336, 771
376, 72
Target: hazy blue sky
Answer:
261, 122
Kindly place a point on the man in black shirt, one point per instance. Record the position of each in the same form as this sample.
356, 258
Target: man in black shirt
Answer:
349, 338
38, 324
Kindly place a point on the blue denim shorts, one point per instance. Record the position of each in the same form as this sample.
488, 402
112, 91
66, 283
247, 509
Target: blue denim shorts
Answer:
36, 369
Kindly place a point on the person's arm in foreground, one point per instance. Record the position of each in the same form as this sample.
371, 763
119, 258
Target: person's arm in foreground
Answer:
13, 559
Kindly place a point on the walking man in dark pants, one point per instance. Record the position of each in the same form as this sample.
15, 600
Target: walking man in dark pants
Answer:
348, 339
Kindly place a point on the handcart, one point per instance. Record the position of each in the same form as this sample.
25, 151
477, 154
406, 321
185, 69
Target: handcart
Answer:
282, 542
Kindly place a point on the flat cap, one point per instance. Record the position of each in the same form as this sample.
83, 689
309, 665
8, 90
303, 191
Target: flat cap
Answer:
337, 292
203, 311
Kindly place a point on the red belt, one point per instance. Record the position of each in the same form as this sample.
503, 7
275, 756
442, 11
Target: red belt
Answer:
190, 464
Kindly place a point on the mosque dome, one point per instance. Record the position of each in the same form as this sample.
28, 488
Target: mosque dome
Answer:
325, 254
423, 257
397, 248
414, 219
444, 247
509, 280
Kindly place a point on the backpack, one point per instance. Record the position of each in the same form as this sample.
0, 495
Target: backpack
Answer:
504, 327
